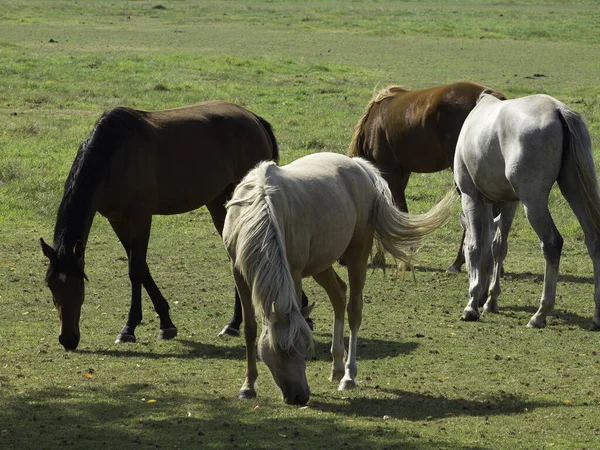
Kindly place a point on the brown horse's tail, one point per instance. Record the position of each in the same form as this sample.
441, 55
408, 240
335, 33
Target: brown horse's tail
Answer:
578, 155
357, 144
269, 129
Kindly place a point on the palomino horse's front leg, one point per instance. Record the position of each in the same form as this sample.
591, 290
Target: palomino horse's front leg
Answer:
357, 272
478, 219
336, 290
248, 388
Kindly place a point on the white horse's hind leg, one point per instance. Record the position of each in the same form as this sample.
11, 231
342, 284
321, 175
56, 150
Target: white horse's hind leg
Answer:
478, 217
569, 188
499, 250
551, 241
336, 290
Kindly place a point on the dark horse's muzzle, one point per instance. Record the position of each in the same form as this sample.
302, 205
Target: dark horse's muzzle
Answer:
69, 342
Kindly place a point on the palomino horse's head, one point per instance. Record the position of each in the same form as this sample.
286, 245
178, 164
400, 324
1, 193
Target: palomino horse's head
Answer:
65, 278
285, 359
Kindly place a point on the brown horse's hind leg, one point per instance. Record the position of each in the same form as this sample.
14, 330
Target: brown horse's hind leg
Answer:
136, 246
397, 181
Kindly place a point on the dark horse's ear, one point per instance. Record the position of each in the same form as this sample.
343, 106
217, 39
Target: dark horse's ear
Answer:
78, 249
48, 250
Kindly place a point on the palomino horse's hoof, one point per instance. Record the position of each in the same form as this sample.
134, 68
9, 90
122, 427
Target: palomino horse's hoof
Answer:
229, 331
346, 384
247, 393
125, 338
167, 333
454, 269
470, 315
491, 307
536, 322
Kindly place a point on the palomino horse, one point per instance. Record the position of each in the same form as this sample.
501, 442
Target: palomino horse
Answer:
516, 150
405, 131
286, 223
137, 164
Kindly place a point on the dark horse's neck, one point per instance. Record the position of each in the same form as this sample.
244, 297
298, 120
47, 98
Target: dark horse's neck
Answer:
86, 177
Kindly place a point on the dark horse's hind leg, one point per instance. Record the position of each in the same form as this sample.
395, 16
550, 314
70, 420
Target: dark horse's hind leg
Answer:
136, 245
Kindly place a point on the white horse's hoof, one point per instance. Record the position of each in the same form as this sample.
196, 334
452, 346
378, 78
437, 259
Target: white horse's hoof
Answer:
470, 315
536, 322
346, 384
336, 375
167, 333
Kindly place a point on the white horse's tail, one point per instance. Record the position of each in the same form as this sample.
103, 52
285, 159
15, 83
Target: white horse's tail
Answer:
396, 230
261, 258
579, 148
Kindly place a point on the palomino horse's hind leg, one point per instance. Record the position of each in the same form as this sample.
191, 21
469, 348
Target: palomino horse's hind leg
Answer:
248, 388
499, 250
139, 274
336, 290
540, 219
357, 273
478, 217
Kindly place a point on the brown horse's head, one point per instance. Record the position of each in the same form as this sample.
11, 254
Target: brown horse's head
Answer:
286, 361
65, 278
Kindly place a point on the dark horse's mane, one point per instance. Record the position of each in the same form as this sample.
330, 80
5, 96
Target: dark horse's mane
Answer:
77, 208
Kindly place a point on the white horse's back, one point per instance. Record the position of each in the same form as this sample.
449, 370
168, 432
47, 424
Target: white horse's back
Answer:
516, 150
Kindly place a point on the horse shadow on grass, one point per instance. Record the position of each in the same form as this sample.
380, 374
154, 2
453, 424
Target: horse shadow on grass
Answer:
369, 349
414, 406
123, 417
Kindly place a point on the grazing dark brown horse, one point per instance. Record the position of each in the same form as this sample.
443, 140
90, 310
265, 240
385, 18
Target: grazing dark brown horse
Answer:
405, 131
137, 164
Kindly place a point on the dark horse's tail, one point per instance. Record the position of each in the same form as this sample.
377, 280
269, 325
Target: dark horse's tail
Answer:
269, 129
358, 146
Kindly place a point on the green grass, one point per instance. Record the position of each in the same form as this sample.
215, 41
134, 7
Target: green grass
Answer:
426, 380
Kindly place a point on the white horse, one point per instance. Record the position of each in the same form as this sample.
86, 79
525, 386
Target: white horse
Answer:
516, 150
286, 223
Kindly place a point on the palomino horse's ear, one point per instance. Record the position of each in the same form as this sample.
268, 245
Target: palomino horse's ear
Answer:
47, 250
78, 249
307, 310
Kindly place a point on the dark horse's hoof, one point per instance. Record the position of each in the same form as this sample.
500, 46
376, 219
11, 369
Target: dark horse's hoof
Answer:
167, 333
125, 337
229, 331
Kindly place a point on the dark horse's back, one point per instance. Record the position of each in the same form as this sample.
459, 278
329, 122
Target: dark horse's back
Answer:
180, 159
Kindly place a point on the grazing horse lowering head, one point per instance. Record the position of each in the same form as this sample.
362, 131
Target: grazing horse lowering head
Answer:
65, 278
285, 353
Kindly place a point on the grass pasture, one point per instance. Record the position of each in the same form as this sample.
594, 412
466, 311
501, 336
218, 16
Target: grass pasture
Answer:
426, 379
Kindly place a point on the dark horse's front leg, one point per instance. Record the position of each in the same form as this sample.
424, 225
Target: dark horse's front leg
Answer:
135, 241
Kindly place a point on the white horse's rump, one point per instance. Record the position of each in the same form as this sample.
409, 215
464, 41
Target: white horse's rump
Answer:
516, 150
286, 223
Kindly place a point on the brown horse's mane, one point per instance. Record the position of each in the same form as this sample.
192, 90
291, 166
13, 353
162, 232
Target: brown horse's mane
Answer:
77, 208
356, 144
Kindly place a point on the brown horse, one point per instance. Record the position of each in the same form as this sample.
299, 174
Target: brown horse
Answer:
405, 131
137, 164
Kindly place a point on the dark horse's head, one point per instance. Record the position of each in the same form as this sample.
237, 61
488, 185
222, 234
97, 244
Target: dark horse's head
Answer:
65, 278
